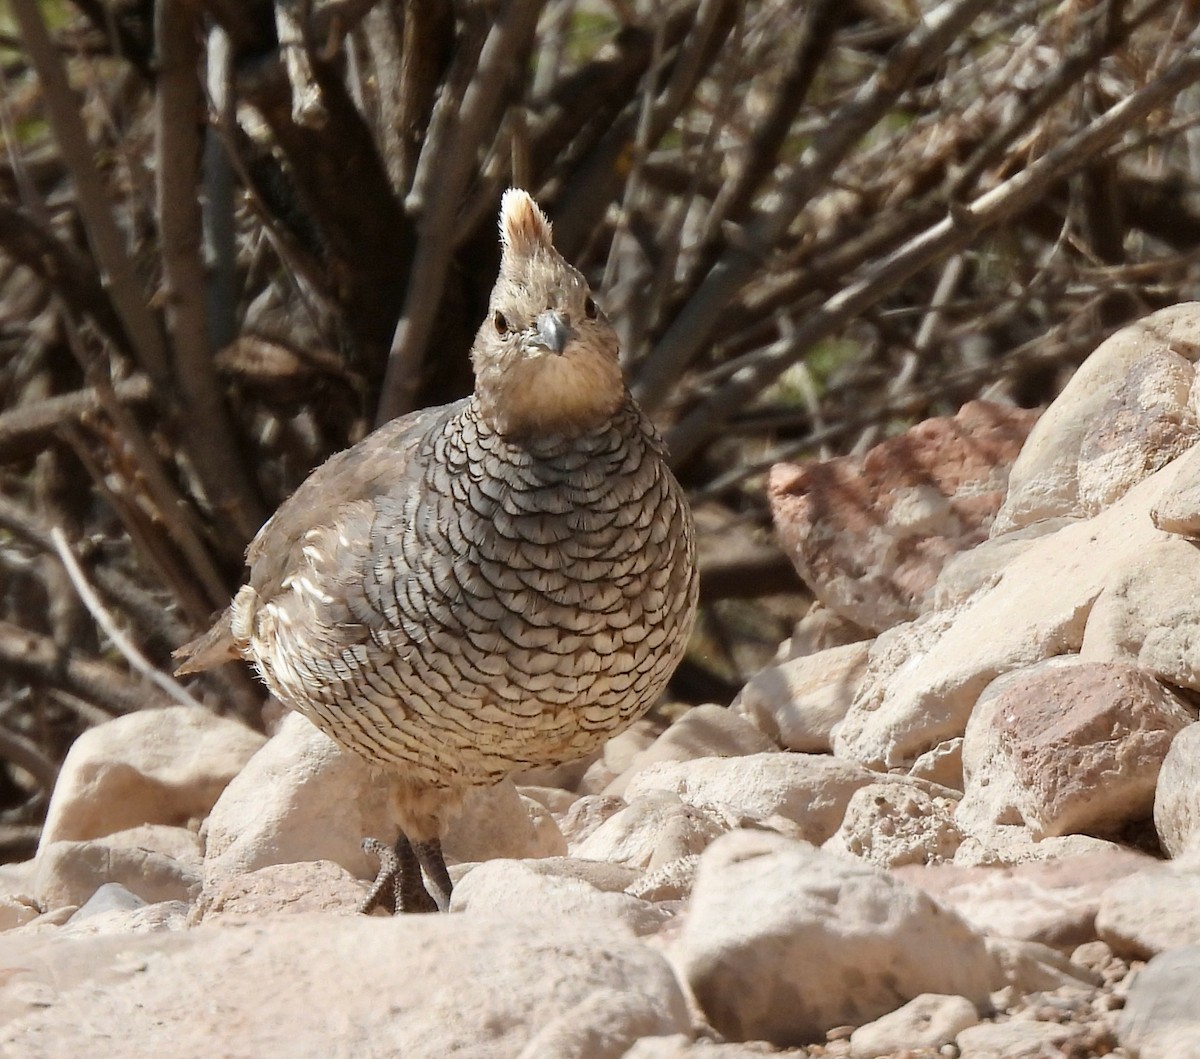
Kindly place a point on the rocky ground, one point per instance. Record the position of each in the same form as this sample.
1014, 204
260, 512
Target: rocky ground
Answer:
958, 817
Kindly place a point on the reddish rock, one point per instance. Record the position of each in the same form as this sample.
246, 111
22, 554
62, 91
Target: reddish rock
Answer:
1085, 743
869, 535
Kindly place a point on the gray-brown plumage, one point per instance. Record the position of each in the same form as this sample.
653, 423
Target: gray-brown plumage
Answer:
496, 584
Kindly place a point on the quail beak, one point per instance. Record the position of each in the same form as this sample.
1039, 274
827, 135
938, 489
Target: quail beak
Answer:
553, 331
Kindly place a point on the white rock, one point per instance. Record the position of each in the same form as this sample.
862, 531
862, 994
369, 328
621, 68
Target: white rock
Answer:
599, 874
315, 986
164, 766
809, 790
1177, 796
179, 843
1030, 967
672, 881
618, 754
1052, 901
927, 1021
703, 731
1044, 480
1017, 1039
782, 942
819, 629
798, 703
923, 680
981, 567
553, 799
17, 909
508, 891
889, 824
586, 814
69, 873
498, 822
941, 764
1177, 509
158, 918
1161, 1019
680, 1046
303, 798
654, 829
299, 798
1142, 427
1152, 911
1148, 614
307, 886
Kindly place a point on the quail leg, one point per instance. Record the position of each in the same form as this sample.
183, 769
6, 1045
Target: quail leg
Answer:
398, 887
429, 856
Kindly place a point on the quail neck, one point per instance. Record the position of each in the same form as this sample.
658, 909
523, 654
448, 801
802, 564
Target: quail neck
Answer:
545, 357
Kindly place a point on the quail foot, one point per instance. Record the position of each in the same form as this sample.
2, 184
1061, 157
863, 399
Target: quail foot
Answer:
500, 583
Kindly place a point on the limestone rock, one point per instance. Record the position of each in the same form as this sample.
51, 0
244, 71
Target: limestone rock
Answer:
498, 822
782, 942
1053, 901
161, 766
889, 824
68, 873
1152, 911
655, 828
1044, 481
599, 874
179, 843
810, 790
819, 630
17, 909
1017, 1039
618, 754
302, 798
799, 702
680, 1046
923, 680
703, 731
110, 911
1177, 509
1144, 425
672, 881
1082, 744
1161, 1019
312, 986
927, 1021
1029, 967
1177, 795
980, 568
1148, 614
299, 798
586, 814
307, 886
509, 891
870, 535
941, 764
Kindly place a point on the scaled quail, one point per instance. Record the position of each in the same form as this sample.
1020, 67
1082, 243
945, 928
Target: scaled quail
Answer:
476, 589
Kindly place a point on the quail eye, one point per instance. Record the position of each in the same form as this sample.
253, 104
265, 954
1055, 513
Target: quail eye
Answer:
501, 323
590, 310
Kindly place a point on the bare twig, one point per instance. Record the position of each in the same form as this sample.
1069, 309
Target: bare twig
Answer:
953, 233
32, 424
119, 640
443, 172
32, 653
206, 424
923, 47
95, 207
26, 754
